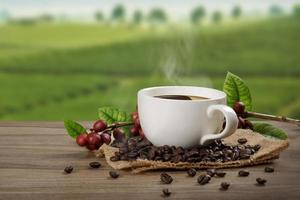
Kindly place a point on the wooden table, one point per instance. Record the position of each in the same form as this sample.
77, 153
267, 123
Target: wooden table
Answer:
34, 154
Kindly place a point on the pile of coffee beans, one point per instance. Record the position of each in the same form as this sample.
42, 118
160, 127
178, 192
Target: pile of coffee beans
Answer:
217, 151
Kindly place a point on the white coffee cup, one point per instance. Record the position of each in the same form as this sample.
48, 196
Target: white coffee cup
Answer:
184, 122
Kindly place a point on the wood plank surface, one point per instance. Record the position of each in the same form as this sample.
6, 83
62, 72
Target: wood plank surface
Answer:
34, 154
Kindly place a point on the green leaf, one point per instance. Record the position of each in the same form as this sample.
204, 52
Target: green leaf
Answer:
237, 90
112, 115
73, 128
269, 130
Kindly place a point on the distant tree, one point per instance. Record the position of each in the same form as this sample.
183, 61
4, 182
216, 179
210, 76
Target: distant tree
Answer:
118, 13
99, 16
275, 10
197, 14
216, 16
137, 17
25, 21
296, 10
157, 15
236, 12
46, 18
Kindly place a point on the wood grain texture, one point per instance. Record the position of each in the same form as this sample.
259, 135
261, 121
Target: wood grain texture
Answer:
34, 154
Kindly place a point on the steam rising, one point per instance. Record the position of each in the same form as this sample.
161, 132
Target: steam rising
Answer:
176, 63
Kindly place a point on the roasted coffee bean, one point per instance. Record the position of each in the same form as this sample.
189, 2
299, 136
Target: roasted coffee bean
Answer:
203, 179
244, 173
95, 164
235, 155
269, 169
227, 152
191, 159
256, 147
114, 174
167, 157
151, 153
166, 178
158, 158
143, 143
167, 149
226, 159
68, 169
206, 159
218, 143
192, 153
220, 173
224, 186
166, 192
179, 151
191, 172
123, 149
245, 151
211, 172
261, 181
114, 158
203, 152
177, 158
242, 140
244, 156
132, 154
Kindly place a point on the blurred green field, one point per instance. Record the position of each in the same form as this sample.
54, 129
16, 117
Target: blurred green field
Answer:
270, 48
54, 99
58, 71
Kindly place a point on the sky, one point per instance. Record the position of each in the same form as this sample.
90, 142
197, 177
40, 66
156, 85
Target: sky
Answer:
176, 9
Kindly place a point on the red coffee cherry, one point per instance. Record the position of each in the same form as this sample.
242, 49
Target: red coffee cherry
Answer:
135, 130
137, 122
118, 134
142, 135
239, 107
105, 138
99, 126
94, 139
81, 140
92, 147
134, 115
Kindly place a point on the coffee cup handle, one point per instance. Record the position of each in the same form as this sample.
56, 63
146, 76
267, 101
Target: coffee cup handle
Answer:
230, 118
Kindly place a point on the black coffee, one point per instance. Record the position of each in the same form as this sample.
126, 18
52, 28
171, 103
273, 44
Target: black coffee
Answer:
181, 97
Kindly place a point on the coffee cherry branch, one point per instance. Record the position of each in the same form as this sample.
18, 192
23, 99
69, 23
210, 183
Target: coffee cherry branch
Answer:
272, 117
115, 126
239, 108
119, 124
101, 133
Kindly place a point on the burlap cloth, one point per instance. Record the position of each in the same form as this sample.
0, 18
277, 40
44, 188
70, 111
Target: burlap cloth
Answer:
270, 150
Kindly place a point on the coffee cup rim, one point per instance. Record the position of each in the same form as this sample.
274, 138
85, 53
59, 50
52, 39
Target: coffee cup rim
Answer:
147, 92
